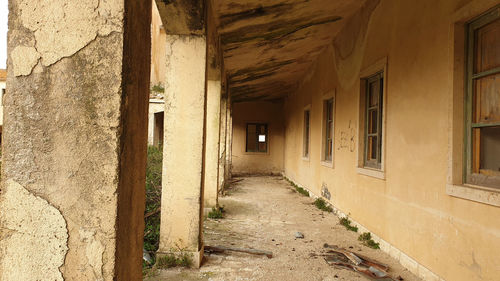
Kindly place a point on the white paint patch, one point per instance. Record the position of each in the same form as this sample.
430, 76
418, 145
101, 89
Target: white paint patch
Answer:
62, 28
24, 59
33, 236
93, 252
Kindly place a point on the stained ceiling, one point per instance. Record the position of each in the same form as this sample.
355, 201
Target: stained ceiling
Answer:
269, 45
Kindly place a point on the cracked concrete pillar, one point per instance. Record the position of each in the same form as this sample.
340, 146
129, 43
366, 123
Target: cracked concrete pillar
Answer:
212, 143
183, 157
222, 141
74, 140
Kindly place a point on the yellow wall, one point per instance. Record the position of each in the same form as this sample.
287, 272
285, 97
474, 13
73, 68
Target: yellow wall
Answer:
455, 238
252, 162
158, 48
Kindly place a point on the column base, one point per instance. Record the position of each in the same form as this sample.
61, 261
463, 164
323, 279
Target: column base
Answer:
196, 257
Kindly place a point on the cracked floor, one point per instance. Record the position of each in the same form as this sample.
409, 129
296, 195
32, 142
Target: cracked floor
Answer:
265, 213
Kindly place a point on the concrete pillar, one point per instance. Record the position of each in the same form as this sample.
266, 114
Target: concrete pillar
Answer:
222, 141
212, 143
229, 141
74, 140
183, 157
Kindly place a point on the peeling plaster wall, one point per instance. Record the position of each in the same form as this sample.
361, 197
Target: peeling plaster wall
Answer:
66, 116
30, 222
251, 162
456, 239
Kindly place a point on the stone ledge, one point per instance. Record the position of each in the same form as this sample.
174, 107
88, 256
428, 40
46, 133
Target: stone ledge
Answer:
486, 195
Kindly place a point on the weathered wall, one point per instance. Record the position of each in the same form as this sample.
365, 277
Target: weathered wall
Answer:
73, 172
456, 239
253, 162
158, 48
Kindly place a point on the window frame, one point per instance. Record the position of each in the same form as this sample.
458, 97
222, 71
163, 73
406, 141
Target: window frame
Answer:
378, 66
258, 125
306, 132
469, 176
327, 161
377, 162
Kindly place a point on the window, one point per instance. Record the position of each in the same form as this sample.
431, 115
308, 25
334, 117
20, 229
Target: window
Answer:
256, 137
328, 130
307, 116
482, 131
373, 119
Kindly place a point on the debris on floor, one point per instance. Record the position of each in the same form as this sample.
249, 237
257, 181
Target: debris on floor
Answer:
222, 249
343, 258
299, 235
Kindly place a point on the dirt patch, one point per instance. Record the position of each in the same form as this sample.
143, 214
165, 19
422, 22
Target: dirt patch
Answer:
262, 213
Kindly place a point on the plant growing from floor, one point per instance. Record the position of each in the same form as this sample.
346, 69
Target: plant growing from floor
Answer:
298, 188
366, 239
302, 191
171, 260
216, 213
322, 205
347, 224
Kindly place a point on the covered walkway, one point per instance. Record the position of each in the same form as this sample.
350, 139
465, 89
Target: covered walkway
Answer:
265, 213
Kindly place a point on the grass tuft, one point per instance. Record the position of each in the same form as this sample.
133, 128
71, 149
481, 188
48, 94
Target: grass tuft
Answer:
367, 240
216, 213
171, 260
298, 188
347, 223
322, 205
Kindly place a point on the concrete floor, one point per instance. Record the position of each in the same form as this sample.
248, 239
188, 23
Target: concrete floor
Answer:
265, 213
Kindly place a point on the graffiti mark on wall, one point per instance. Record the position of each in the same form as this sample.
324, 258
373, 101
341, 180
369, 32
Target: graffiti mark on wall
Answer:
347, 138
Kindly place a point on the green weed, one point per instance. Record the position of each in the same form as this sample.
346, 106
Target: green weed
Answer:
171, 260
216, 213
322, 205
347, 223
298, 188
367, 240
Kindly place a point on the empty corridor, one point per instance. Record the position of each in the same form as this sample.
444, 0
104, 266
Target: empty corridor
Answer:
265, 213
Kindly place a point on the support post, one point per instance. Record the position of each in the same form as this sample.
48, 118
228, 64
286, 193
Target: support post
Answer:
183, 157
222, 140
74, 141
212, 143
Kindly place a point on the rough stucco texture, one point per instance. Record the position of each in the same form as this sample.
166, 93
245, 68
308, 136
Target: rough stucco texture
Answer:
61, 28
32, 233
61, 135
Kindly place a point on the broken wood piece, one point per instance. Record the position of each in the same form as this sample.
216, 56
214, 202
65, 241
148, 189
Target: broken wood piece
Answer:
365, 260
154, 212
346, 259
352, 257
236, 180
221, 249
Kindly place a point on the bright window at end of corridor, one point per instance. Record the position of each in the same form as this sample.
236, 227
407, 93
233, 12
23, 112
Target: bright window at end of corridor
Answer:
482, 132
257, 139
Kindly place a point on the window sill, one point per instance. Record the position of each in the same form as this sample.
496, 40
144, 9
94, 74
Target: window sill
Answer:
327, 164
256, 153
371, 173
486, 195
